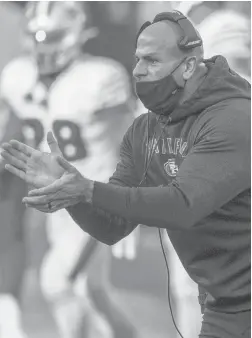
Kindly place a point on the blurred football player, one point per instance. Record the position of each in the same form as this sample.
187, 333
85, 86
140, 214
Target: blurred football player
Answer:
86, 101
12, 237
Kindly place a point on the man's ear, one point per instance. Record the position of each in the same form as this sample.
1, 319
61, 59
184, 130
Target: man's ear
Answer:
190, 66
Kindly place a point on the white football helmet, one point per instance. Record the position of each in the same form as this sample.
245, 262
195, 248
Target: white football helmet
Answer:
54, 32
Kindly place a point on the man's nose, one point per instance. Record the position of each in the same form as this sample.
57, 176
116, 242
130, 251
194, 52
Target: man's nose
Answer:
139, 71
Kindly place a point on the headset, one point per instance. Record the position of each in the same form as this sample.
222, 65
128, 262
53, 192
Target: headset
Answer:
190, 39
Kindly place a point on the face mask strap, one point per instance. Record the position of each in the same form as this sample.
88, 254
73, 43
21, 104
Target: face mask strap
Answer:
180, 63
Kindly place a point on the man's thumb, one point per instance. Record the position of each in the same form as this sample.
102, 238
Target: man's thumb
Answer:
53, 144
65, 164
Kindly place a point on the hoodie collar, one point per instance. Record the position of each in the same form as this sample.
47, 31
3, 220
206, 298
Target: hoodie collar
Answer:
217, 84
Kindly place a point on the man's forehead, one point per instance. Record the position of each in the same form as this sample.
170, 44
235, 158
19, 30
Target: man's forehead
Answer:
149, 47
157, 38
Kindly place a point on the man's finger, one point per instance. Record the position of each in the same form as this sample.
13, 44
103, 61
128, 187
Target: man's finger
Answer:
65, 164
38, 200
42, 208
13, 160
19, 155
17, 172
45, 199
45, 208
50, 189
28, 151
53, 144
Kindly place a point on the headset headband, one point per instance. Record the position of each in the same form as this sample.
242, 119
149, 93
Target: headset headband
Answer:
190, 38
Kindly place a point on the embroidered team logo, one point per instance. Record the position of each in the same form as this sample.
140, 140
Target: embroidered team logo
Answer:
171, 167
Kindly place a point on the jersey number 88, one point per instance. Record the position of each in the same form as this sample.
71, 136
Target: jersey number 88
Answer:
67, 133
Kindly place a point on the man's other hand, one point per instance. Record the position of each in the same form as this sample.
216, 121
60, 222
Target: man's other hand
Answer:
37, 168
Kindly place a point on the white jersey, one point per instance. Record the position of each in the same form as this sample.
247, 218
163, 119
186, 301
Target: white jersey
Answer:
74, 108
225, 32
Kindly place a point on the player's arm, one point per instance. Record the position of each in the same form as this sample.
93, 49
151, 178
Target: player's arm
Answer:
84, 258
107, 227
4, 130
11, 187
10, 128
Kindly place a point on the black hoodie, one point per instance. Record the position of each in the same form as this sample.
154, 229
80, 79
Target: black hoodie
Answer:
197, 185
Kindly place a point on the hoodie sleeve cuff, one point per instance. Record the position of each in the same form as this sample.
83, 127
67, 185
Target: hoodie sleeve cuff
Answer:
111, 198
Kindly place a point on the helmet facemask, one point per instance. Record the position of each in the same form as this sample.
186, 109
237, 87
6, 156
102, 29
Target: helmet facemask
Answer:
55, 34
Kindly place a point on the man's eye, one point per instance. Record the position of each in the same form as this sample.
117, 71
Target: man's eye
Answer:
153, 62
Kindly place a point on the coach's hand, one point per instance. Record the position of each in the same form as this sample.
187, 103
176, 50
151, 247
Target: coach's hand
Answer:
61, 185
70, 189
37, 168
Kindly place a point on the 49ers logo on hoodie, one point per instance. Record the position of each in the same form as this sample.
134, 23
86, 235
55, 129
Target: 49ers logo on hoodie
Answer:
170, 167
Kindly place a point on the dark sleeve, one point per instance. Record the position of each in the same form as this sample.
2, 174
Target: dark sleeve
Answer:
107, 227
215, 171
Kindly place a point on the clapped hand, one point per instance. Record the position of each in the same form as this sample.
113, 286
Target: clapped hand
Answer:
37, 168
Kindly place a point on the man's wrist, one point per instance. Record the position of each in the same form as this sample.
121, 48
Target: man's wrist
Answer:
87, 194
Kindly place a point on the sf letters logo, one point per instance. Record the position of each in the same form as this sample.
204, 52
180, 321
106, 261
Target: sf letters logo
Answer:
171, 168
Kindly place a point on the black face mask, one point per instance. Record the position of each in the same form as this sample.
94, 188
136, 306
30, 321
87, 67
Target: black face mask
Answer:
160, 96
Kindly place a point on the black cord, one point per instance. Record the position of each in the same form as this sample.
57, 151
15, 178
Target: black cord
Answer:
168, 282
